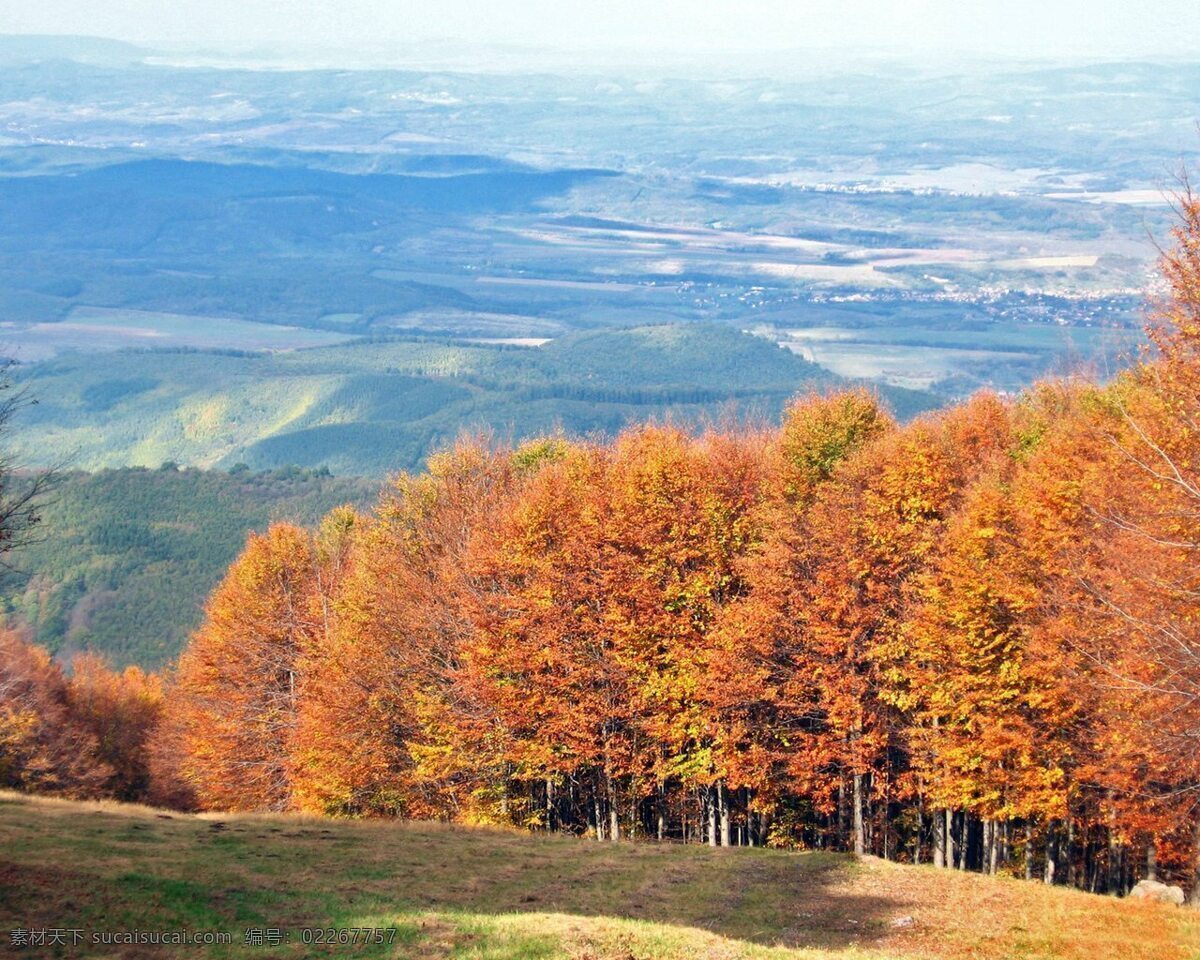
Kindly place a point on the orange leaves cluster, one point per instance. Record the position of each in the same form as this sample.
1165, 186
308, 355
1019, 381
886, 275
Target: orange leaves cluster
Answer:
80, 735
230, 734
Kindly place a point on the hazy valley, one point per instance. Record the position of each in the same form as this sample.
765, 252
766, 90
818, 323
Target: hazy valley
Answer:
931, 232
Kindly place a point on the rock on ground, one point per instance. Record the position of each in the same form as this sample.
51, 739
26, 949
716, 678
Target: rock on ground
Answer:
1158, 892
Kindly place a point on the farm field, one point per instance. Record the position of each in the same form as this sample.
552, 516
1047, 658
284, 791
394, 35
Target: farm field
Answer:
503, 895
98, 329
1005, 355
101, 329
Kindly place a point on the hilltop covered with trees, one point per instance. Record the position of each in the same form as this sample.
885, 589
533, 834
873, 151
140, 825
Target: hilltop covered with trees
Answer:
970, 639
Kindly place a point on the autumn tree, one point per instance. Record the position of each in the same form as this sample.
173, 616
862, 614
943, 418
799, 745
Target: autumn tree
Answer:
376, 730
120, 710
43, 747
546, 695
231, 713
988, 693
772, 684
1138, 569
681, 514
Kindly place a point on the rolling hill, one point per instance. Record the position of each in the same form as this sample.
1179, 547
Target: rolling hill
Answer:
369, 408
273, 882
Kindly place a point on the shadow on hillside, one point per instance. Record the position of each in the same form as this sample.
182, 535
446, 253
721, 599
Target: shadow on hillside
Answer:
440, 885
768, 898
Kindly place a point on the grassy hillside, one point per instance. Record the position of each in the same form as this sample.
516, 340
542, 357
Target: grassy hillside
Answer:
370, 408
128, 556
473, 893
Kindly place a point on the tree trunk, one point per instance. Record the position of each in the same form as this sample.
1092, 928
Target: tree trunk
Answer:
1151, 861
723, 804
661, 809
1070, 849
949, 839
1111, 882
710, 800
1051, 855
1028, 850
843, 814
939, 838
859, 838
886, 828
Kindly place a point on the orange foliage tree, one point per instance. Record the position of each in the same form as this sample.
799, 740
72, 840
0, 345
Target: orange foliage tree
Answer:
231, 715
121, 712
82, 734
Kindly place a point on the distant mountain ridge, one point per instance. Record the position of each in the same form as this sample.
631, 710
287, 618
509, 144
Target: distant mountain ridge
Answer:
97, 51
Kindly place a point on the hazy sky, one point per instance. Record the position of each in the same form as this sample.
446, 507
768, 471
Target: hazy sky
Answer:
1005, 27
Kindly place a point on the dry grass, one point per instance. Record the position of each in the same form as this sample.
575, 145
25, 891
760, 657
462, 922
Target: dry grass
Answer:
454, 892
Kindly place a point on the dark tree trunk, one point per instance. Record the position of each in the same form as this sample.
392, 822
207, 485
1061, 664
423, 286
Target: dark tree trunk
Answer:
1071, 876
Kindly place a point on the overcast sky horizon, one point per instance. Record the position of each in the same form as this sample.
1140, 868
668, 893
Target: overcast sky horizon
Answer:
988, 28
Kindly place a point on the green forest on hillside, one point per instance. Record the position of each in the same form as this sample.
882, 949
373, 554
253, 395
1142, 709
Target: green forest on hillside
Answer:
372, 407
125, 558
